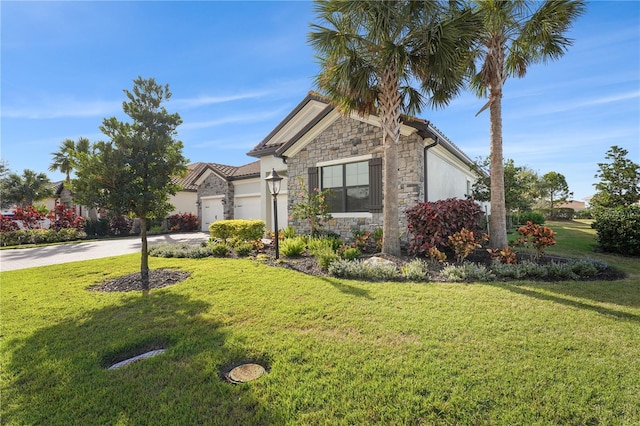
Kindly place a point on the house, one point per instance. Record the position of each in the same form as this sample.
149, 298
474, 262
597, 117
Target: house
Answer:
216, 191
329, 150
63, 195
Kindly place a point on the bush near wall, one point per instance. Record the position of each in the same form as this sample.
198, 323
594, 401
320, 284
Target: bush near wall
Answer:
431, 223
619, 230
184, 222
245, 230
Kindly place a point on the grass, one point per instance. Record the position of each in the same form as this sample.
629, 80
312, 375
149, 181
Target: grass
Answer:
337, 351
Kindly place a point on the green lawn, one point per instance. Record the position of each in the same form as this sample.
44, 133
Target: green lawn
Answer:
337, 351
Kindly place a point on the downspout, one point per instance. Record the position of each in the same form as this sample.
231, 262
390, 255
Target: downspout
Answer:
426, 182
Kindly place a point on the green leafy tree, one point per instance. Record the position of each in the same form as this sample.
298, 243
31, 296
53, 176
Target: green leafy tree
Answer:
4, 186
554, 189
27, 188
520, 185
619, 184
132, 172
516, 35
65, 158
372, 52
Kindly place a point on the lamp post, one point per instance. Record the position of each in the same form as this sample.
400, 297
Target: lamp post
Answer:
274, 180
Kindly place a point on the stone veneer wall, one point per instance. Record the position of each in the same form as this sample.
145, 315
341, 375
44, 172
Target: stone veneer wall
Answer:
347, 138
215, 185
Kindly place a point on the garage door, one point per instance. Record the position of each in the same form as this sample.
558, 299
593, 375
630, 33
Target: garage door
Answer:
212, 211
247, 207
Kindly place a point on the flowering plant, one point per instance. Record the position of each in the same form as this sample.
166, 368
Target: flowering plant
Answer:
312, 207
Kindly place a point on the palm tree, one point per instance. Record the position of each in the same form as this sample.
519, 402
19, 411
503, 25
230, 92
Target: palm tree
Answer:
371, 52
64, 160
516, 34
29, 187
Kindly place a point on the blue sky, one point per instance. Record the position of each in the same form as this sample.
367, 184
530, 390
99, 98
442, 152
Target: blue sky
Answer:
237, 68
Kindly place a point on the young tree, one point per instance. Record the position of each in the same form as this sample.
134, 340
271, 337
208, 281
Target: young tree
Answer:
26, 188
554, 189
132, 172
371, 52
520, 185
619, 180
65, 159
516, 34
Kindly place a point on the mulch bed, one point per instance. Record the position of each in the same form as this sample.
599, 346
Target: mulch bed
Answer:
159, 278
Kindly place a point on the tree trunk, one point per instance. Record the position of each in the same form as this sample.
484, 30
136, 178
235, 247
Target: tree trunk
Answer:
498, 219
144, 258
390, 102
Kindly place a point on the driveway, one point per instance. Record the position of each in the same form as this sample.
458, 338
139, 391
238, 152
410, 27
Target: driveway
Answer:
11, 260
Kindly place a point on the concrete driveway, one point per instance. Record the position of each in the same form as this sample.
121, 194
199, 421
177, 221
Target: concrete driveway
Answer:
11, 260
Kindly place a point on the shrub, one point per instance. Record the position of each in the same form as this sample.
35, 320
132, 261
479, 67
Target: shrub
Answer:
98, 227
246, 230
243, 248
537, 236
62, 217
437, 255
288, 232
220, 249
70, 234
463, 243
416, 270
467, 271
359, 269
533, 217
326, 257
619, 230
349, 253
30, 217
506, 255
184, 222
293, 247
120, 225
15, 238
561, 271
8, 224
431, 223
181, 250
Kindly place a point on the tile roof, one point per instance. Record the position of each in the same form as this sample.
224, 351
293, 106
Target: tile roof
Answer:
196, 170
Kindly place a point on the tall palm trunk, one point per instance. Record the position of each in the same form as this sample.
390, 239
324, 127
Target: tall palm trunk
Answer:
498, 220
390, 102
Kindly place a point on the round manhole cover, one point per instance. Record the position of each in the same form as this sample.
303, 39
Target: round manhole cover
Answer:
246, 373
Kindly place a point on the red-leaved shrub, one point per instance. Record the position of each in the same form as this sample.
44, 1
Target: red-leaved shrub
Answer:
430, 224
65, 218
184, 222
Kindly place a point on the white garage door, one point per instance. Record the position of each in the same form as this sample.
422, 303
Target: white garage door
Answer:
247, 207
212, 211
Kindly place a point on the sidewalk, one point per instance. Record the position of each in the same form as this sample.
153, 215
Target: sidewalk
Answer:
11, 260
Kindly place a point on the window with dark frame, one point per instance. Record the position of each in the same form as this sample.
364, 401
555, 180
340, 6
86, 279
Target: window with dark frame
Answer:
349, 186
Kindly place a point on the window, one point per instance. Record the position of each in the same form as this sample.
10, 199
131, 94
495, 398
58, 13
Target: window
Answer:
349, 185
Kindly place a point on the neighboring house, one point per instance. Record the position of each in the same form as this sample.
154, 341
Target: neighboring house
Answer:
63, 195
573, 204
329, 150
217, 191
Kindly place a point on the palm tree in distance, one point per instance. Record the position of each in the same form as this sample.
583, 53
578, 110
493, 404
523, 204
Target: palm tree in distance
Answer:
29, 187
372, 52
65, 159
516, 34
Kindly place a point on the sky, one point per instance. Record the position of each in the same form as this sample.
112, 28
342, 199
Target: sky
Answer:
236, 69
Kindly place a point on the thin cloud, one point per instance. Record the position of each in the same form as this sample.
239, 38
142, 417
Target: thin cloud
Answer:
63, 109
239, 118
212, 100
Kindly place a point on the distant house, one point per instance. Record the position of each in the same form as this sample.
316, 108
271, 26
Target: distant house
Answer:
216, 191
328, 150
573, 204
63, 195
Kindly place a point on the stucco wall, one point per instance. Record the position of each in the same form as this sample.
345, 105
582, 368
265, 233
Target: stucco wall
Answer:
184, 202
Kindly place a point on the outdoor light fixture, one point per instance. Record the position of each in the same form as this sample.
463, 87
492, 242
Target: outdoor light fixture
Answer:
274, 180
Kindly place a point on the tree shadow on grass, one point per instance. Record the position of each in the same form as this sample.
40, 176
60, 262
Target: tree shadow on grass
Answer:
347, 289
59, 375
563, 290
